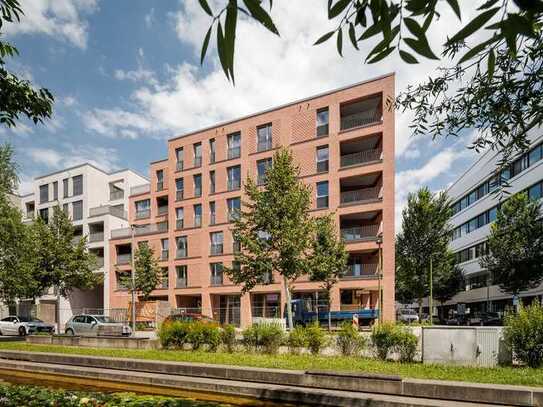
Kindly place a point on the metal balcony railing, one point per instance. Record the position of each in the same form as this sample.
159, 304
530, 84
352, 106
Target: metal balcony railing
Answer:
359, 119
322, 166
142, 214
114, 195
212, 157
198, 161
96, 237
198, 192
322, 202
164, 254
140, 189
365, 232
163, 210
159, 186
234, 152
179, 195
216, 248
269, 311
212, 219
361, 271
233, 184
261, 180
181, 283
179, 224
360, 157
216, 280
322, 130
180, 253
198, 221
161, 227
124, 258
264, 145
360, 195
179, 166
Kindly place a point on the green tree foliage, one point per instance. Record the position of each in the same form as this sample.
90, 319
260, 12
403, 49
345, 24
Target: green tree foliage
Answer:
515, 245
494, 85
274, 229
448, 278
56, 260
329, 257
524, 333
425, 232
8, 170
148, 274
18, 96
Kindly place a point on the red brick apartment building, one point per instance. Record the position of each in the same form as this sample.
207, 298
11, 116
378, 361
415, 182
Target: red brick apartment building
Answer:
343, 141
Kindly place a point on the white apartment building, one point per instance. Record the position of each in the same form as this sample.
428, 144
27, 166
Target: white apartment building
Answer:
97, 203
475, 208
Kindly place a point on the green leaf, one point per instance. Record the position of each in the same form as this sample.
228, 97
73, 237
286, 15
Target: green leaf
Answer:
456, 8
488, 4
261, 15
337, 8
491, 64
352, 36
339, 42
407, 57
381, 55
421, 47
205, 6
414, 27
371, 31
230, 34
205, 45
478, 48
324, 38
473, 25
221, 50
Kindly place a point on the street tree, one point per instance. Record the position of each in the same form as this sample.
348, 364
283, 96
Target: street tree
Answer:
515, 245
8, 170
274, 229
148, 274
448, 279
425, 235
491, 84
329, 257
18, 97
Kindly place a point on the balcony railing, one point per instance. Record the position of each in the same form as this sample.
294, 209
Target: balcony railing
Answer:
180, 253
216, 280
322, 202
179, 165
361, 119
163, 210
140, 189
159, 186
322, 166
360, 195
212, 218
181, 283
198, 221
234, 152
179, 224
114, 195
108, 210
142, 214
124, 258
198, 192
365, 232
96, 237
270, 311
179, 195
264, 145
164, 254
362, 271
198, 161
234, 184
212, 157
322, 130
216, 248
360, 157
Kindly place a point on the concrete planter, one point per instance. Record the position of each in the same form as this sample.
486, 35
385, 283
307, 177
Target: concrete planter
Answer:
40, 339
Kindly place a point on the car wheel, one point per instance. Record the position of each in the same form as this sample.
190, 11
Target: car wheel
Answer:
22, 331
70, 332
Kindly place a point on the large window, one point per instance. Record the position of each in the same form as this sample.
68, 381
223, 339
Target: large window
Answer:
165, 245
65, 188
55, 191
181, 276
182, 249
264, 137
212, 150
179, 159
322, 194
44, 214
160, 180
261, 167
216, 242
322, 159
211, 182
143, 208
234, 178
179, 218
197, 151
77, 210
197, 185
212, 213
44, 193
197, 215
78, 185
234, 145
216, 273
322, 122
179, 189
234, 208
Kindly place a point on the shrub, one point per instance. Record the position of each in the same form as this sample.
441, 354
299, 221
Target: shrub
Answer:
316, 338
524, 334
349, 341
173, 334
266, 337
196, 333
406, 345
297, 339
228, 337
384, 338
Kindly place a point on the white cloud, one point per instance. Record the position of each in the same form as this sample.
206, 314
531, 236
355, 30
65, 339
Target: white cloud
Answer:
69, 101
139, 75
116, 123
150, 18
58, 18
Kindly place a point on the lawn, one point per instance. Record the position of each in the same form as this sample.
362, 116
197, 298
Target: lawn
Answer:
499, 375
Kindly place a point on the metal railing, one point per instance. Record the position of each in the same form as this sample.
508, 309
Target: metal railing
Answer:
212, 157
361, 119
186, 310
179, 166
142, 214
322, 202
361, 271
228, 315
360, 232
264, 145
322, 166
179, 224
273, 311
180, 253
216, 280
114, 195
198, 161
96, 237
360, 195
212, 218
197, 221
161, 226
179, 195
234, 152
164, 254
322, 130
124, 258
236, 247
160, 186
163, 210
181, 283
361, 157
140, 189
198, 192
261, 180
234, 184
216, 248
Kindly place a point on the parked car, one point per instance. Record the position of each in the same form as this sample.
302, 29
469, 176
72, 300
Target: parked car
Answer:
17, 325
458, 320
188, 317
436, 320
96, 325
407, 316
485, 319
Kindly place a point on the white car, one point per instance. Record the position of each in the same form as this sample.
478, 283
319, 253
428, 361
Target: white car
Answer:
17, 325
407, 316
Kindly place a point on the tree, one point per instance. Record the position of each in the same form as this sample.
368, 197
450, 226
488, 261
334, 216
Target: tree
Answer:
425, 234
58, 261
515, 245
329, 257
448, 279
495, 85
148, 274
8, 170
18, 96
274, 229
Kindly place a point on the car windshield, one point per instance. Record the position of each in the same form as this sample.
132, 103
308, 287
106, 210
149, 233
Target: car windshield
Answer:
26, 319
105, 320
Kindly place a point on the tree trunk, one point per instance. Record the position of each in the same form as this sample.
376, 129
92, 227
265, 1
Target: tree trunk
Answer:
329, 313
289, 305
420, 309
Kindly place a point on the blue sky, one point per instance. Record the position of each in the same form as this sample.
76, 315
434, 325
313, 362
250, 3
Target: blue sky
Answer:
126, 77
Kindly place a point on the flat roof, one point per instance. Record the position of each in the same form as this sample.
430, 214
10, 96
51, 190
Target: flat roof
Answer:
90, 165
377, 78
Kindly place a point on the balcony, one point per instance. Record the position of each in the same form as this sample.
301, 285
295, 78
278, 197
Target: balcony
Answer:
179, 166
361, 271
197, 161
96, 237
179, 195
124, 258
140, 189
264, 145
216, 249
142, 214
360, 189
361, 113
360, 195
216, 279
108, 210
181, 283
234, 152
363, 232
115, 195
162, 210
360, 157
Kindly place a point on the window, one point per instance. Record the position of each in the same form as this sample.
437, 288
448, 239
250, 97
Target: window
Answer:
212, 150
234, 207
165, 244
519, 165
65, 188
197, 178
322, 122
216, 243
181, 276
182, 249
143, 209
261, 168
160, 180
322, 194
165, 281
212, 213
234, 145
77, 210
197, 215
44, 214
179, 159
322, 159
55, 191
197, 154
179, 218
535, 154
77, 185
211, 182
121, 278
236, 246
179, 188
234, 178
65, 209
492, 214
535, 192
264, 137
216, 273
44, 193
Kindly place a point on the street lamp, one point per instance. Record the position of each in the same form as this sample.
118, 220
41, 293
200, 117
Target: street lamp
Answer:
379, 242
